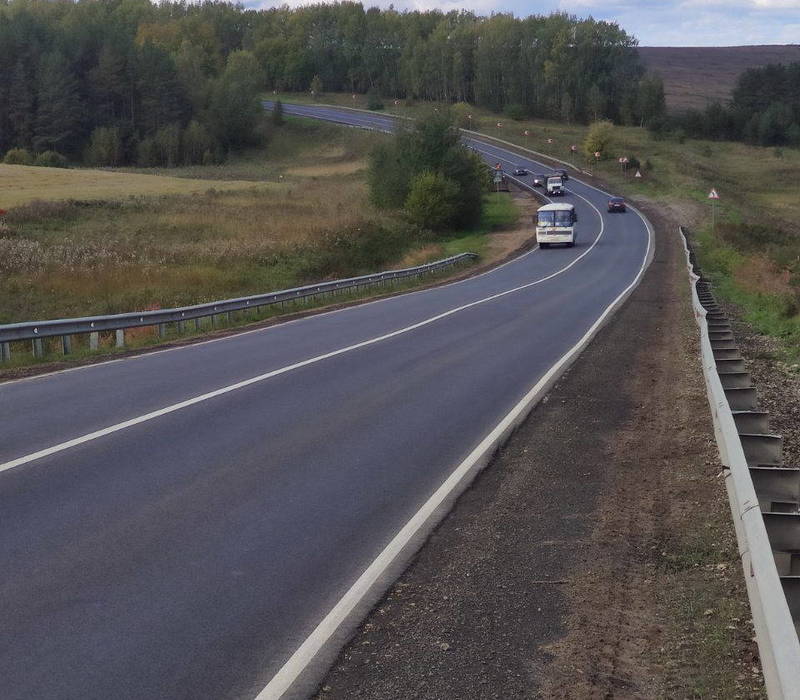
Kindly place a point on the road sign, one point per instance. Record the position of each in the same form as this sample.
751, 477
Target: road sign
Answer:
573, 148
526, 132
597, 154
498, 167
713, 194
499, 125
638, 174
549, 140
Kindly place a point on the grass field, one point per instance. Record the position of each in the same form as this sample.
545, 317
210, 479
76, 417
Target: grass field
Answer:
292, 213
21, 184
695, 76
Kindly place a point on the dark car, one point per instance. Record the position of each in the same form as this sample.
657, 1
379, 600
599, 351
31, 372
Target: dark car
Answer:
520, 171
564, 174
539, 180
616, 204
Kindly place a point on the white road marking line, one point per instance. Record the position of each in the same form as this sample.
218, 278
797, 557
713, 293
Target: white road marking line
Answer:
26, 459
283, 680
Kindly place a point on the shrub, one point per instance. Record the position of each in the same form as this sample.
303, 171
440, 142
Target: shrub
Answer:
374, 101
18, 156
105, 147
432, 201
50, 159
648, 166
515, 112
633, 163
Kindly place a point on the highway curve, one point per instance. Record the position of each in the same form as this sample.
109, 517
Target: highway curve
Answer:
175, 525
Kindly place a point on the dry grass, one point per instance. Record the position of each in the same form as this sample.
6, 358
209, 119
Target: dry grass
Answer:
21, 184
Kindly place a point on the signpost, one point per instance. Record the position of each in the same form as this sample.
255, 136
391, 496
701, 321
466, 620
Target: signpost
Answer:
527, 133
713, 196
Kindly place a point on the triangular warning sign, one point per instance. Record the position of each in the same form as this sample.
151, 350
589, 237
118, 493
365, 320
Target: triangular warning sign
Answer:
638, 174
713, 194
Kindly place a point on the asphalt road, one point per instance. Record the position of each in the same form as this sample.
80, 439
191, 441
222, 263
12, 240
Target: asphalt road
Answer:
174, 525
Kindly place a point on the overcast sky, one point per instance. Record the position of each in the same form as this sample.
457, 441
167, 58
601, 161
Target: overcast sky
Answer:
653, 22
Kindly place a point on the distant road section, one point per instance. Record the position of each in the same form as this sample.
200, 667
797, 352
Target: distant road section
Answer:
190, 554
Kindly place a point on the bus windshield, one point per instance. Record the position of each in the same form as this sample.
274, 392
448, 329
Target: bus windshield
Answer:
561, 217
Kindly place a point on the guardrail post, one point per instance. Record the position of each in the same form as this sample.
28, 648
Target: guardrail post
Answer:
120, 338
94, 340
162, 330
38, 349
197, 324
66, 344
181, 326
5, 352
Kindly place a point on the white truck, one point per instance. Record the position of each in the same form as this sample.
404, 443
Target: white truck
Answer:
555, 223
555, 186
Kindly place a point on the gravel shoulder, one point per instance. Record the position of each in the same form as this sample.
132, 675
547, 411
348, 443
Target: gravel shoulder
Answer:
594, 558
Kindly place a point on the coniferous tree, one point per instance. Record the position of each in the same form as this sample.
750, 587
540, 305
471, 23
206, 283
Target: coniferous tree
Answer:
60, 111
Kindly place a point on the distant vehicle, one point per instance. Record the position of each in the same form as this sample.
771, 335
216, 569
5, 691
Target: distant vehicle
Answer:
616, 204
555, 186
555, 223
520, 171
564, 174
539, 180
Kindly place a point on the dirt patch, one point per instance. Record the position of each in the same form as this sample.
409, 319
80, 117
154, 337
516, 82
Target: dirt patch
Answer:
328, 169
595, 557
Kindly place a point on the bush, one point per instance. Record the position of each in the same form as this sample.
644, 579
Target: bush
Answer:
633, 163
648, 166
50, 159
464, 118
18, 156
432, 201
599, 139
105, 147
374, 101
516, 112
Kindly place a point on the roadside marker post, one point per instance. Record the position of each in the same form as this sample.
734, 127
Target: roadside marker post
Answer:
713, 196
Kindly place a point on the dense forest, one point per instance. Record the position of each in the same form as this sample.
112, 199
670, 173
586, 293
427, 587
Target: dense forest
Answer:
118, 81
764, 109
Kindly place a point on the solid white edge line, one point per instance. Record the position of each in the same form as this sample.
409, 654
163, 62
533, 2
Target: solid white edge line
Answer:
60, 447
291, 671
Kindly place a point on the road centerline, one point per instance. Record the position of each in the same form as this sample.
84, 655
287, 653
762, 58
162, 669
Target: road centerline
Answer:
123, 425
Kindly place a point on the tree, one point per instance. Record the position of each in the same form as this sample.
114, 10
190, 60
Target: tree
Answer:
105, 147
599, 139
651, 103
235, 106
277, 114
195, 142
432, 201
21, 111
59, 114
316, 87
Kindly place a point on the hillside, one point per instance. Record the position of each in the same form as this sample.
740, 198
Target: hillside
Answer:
696, 75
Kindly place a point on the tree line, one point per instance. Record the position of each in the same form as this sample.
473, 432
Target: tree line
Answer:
764, 109
129, 81
125, 81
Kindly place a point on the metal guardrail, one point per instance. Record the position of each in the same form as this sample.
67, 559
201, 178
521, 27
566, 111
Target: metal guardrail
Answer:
763, 493
36, 331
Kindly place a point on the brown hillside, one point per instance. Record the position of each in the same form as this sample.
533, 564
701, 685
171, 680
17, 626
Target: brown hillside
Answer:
696, 75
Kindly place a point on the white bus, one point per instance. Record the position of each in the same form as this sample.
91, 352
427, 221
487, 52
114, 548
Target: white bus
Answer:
555, 223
